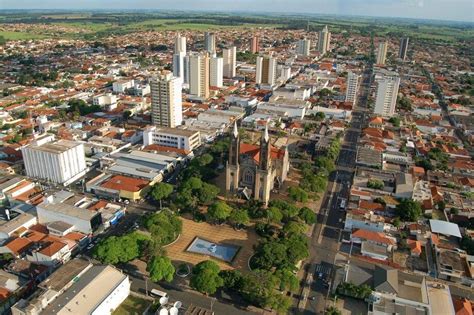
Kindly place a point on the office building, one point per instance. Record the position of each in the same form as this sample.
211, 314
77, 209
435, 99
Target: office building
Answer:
183, 139
254, 45
352, 87
402, 53
216, 68
199, 75
210, 42
303, 47
166, 103
386, 95
230, 61
266, 70
61, 162
382, 53
324, 40
179, 65
180, 44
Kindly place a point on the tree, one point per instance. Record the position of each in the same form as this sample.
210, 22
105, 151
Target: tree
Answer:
409, 210
239, 217
293, 227
298, 194
161, 191
160, 268
207, 193
120, 249
126, 115
219, 211
274, 215
375, 184
206, 278
307, 215
332, 310
233, 279
395, 121
288, 280
164, 226
205, 159
270, 254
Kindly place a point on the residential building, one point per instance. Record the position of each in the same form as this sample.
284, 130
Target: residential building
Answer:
172, 137
61, 162
402, 53
382, 53
303, 47
180, 44
324, 41
254, 45
230, 61
121, 86
179, 65
166, 103
387, 92
216, 67
266, 70
199, 75
210, 42
352, 87
109, 101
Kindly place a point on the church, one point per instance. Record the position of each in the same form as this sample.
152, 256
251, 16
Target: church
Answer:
255, 170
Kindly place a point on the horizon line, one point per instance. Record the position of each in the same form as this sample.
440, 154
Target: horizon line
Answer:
241, 11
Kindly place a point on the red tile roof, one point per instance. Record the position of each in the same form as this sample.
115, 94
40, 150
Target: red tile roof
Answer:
119, 182
52, 248
19, 245
254, 151
373, 236
462, 306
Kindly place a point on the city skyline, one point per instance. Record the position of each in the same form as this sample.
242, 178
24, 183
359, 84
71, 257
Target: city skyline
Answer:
456, 10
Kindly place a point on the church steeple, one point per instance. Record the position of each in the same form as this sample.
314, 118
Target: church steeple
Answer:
234, 148
265, 150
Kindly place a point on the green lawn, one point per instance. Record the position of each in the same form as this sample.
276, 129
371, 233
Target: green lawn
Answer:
132, 306
9, 35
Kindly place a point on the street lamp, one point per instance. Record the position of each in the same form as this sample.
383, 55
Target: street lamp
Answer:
213, 300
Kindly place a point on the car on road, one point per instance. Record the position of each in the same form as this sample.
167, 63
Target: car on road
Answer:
90, 246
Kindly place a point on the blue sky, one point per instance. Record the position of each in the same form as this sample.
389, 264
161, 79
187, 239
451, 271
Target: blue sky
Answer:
456, 10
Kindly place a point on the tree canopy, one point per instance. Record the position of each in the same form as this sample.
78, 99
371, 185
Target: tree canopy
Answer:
219, 211
409, 210
160, 268
205, 277
120, 249
164, 226
161, 191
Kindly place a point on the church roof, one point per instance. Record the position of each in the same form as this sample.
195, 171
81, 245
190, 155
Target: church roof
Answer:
254, 151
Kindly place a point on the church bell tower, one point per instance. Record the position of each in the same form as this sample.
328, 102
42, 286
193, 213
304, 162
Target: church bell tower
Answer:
232, 168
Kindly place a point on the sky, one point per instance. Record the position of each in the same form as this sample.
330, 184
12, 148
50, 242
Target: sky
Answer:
453, 10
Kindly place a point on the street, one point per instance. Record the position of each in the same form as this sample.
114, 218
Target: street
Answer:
325, 240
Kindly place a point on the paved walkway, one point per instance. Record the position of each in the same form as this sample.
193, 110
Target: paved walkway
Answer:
217, 234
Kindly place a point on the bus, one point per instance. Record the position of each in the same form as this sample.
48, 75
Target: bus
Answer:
158, 293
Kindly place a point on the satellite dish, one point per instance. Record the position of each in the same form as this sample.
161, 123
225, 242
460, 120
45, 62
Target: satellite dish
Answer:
163, 300
164, 311
178, 304
174, 311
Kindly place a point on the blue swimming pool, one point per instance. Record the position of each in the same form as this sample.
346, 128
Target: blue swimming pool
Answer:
225, 252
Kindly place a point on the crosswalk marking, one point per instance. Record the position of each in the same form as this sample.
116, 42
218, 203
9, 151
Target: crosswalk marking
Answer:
324, 269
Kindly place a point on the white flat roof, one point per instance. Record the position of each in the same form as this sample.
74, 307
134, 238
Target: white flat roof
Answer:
445, 228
